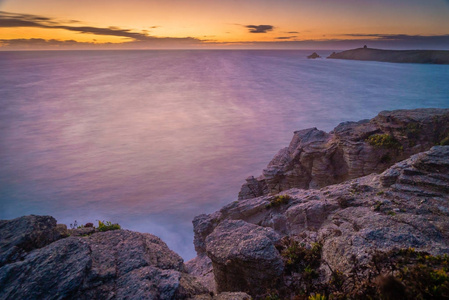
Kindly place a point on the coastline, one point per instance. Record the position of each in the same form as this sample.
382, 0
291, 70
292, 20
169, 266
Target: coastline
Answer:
279, 243
394, 56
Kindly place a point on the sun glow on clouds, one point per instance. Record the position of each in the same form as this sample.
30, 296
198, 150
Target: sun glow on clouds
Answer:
201, 23
58, 34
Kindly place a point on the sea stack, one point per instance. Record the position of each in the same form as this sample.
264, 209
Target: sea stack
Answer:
313, 56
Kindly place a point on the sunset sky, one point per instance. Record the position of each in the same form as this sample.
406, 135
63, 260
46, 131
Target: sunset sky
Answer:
222, 24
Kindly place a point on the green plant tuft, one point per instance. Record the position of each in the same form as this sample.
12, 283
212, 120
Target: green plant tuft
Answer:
397, 274
317, 297
106, 226
272, 296
385, 141
377, 205
278, 201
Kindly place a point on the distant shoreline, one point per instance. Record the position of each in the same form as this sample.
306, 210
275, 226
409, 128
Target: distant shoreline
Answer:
395, 56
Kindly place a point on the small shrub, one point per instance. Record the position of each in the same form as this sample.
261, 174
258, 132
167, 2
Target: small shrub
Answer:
303, 261
299, 258
391, 213
89, 225
385, 141
278, 201
425, 276
106, 226
317, 297
337, 280
412, 130
397, 274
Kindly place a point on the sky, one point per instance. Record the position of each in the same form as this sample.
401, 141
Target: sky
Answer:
223, 24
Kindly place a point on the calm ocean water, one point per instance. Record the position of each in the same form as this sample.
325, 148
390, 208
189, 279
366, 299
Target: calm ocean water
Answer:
149, 139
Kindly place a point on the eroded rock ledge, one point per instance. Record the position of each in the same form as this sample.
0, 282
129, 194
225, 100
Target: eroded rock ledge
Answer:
407, 206
315, 159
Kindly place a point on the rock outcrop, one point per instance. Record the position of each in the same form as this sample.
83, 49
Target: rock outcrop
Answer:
407, 206
395, 56
21, 235
244, 257
315, 159
117, 264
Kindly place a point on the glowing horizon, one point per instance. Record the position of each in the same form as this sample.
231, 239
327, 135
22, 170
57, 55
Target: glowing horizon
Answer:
178, 24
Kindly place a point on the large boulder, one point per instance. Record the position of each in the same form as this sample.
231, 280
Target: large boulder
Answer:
315, 159
244, 257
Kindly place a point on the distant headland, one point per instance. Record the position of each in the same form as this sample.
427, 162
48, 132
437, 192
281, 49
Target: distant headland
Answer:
395, 56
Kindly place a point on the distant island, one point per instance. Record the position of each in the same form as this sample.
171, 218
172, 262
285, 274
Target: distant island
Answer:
313, 56
395, 56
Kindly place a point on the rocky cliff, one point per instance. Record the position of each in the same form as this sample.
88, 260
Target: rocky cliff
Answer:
360, 211
396, 56
272, 243
315, 159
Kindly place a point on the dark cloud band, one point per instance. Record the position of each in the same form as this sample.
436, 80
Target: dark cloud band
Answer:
285, 37
259, 28
24, 20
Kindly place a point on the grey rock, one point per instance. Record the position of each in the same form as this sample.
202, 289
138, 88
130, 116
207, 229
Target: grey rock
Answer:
426, 173
117, 264
21, 235
53, 272
201, 268
82, 231
253, 188
315, 159
244, 257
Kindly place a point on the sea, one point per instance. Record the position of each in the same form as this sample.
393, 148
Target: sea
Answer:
151, 139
